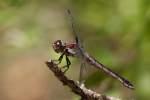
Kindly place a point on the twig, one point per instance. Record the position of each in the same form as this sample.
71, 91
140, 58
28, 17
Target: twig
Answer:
78, 89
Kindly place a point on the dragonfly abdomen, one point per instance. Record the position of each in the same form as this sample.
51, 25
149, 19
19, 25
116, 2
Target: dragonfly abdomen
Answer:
107, 71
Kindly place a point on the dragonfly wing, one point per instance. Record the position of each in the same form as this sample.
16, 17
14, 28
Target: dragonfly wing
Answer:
83, 72
80, 50
78, 42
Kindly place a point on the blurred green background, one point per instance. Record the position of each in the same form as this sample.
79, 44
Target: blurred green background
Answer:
115, 32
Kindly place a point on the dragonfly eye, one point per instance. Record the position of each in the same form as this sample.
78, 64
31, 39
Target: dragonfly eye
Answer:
57, 46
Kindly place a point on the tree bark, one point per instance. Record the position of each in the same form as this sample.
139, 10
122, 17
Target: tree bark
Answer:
81, 90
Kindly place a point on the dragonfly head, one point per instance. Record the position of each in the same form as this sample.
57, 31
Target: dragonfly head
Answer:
58, 46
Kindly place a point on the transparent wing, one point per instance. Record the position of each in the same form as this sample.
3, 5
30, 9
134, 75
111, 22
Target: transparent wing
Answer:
76, 34
80, 49
82, 72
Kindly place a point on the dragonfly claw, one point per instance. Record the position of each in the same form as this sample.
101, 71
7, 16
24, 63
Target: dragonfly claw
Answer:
56, 61
65, 67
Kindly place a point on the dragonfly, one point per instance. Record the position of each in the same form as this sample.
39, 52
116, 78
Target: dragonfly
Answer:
75, 49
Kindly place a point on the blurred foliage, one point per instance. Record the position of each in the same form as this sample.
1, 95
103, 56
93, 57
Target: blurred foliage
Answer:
115, 32
15, 2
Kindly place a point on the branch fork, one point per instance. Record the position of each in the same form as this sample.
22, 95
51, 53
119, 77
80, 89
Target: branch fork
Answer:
79, 89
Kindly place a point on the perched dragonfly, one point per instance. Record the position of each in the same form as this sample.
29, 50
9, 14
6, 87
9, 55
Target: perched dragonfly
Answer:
76, 49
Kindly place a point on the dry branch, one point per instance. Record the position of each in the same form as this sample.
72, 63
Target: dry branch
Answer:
80, 90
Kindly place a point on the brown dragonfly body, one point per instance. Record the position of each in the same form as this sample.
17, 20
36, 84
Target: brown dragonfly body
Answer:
70, 50
76, 49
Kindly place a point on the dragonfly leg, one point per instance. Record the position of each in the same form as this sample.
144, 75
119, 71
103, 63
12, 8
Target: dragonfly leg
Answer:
60, 58
68, 64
